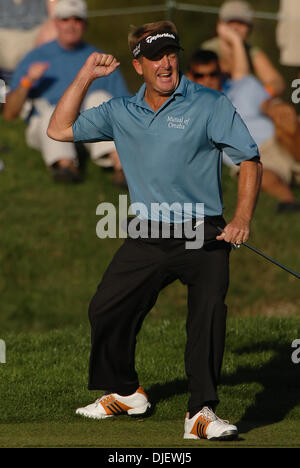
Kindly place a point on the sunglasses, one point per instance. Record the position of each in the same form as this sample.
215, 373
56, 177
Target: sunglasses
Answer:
199, 76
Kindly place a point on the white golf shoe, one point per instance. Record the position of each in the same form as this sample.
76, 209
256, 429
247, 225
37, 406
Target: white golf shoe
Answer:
113, 404
206, 425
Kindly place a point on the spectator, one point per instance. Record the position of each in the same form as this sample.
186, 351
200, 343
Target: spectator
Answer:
44, 74
288, 33
23, 25
239, 16
281, 163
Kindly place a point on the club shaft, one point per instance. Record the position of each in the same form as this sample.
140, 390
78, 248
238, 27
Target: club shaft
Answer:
254, 249
271, 260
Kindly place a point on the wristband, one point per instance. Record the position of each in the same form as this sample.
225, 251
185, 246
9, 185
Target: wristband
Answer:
270, 90
26, 83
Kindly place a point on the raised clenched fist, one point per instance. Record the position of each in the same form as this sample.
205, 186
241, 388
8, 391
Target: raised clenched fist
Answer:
98, 65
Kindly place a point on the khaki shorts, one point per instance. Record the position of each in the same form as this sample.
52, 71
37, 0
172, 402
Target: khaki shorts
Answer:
53, 150
15, 44
278, 160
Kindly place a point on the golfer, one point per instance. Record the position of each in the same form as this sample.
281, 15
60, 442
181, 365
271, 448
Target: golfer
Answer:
170, 137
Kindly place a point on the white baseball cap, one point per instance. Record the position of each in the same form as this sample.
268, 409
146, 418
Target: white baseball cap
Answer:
236, 10
69, 8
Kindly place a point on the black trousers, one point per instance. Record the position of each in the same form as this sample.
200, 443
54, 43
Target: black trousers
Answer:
128, 291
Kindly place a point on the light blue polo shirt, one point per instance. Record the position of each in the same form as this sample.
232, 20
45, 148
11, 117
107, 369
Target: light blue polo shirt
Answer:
174, 155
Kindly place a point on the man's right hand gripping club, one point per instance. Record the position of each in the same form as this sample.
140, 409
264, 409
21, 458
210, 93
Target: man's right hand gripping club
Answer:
66, 112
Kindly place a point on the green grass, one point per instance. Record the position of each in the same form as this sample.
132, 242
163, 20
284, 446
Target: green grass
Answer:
51, 259
45, 378
51, 262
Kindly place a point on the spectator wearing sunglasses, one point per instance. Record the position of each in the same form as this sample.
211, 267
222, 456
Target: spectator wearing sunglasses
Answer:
204, 69
239, 16
273, 124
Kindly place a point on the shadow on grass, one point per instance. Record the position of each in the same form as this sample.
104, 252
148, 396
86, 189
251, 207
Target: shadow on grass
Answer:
279, 379
161, 392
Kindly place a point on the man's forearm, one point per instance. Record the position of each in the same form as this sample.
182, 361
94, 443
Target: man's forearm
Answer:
68, 108
240, 60
14, 103
17, 97
248, 189
66, 112
237, 230
240, 65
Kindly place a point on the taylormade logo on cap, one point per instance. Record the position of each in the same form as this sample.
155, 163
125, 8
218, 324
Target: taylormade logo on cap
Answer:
137, 50
149, 39
152, 44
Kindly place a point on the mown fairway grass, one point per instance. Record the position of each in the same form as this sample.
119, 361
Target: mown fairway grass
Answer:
51, 262
45, 377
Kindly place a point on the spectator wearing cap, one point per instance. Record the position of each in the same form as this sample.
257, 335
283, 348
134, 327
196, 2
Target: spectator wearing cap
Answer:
273, 124
240, 17
43, 75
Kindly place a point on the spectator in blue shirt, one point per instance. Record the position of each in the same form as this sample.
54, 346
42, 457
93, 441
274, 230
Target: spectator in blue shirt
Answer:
170, 137
41, 78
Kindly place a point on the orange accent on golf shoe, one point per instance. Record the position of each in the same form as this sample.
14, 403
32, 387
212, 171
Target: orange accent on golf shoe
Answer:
199, 428
112, 406
142, 391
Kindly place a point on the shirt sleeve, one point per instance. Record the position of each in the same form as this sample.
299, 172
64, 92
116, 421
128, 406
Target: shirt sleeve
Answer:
229, 133
93, 125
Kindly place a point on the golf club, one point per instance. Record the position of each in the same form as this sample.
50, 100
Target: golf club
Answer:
254, 249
